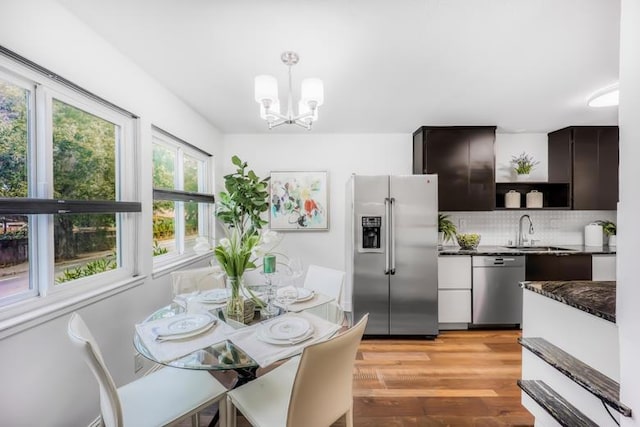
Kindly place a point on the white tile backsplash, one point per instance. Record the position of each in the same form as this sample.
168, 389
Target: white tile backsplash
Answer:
550, 227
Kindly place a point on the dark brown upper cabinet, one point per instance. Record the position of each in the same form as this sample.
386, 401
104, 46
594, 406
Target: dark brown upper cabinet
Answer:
464, 160
587, 157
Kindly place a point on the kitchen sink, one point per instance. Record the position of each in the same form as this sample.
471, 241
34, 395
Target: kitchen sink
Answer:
539, 248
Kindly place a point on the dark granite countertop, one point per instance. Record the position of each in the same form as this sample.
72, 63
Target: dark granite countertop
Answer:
503, 250
596, 298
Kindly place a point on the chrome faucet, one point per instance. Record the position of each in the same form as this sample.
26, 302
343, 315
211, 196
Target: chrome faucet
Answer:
521, 238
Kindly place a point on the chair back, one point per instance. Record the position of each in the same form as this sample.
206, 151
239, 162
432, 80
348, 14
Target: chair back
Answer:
325, 281
323, 387
199, 279
81, 337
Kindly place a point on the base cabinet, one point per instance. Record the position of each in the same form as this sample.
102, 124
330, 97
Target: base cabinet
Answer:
558, 267
603, 267
454, 291
454, 306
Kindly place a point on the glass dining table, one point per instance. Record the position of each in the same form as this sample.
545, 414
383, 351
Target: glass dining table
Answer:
220, 356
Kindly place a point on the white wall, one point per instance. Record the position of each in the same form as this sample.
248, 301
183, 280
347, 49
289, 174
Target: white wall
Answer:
340, 155
513, 144
628, 297
43, 381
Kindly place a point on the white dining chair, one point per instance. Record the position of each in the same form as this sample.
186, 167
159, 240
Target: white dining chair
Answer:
325, 280
164, 397
313, 390
198, 279
329, 282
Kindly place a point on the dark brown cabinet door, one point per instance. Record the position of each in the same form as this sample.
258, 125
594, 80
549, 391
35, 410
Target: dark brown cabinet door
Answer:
558, 267
608, 161
585, 169
559, 156
595, 168
463, 158
586, 157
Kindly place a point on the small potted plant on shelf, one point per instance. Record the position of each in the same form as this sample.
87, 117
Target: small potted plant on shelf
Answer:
523, 165
446, 229
609, 228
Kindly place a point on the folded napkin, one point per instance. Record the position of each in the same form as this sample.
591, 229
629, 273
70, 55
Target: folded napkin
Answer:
296, 307
164, 351
265, 354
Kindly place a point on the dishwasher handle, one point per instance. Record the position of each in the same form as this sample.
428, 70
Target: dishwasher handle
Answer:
498, 261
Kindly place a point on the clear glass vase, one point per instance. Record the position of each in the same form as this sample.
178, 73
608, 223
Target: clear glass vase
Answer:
239, 308
235, 303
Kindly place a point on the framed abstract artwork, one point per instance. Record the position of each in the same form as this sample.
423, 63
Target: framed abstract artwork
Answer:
298, 200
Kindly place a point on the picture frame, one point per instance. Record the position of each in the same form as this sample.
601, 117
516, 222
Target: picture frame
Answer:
298, 201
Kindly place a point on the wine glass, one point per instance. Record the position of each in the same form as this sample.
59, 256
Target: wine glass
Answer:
295, 269
287, 295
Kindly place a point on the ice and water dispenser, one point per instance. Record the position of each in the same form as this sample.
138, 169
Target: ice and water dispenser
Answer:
371, 238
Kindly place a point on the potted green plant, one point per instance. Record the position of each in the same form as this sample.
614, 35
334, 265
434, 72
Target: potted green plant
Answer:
523, 165
446, 229
239, 208
609, 228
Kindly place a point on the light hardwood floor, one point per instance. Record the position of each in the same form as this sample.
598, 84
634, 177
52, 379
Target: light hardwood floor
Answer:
462, 378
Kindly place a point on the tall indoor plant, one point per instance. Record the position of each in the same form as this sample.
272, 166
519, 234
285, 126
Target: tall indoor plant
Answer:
239, 208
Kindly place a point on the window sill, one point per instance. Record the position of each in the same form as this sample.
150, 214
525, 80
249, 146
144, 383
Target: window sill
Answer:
35, 311
162, 269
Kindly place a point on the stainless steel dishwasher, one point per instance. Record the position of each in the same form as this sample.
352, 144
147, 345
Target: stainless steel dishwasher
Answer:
497, 297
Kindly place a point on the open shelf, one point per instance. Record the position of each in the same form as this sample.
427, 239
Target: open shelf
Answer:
555, 196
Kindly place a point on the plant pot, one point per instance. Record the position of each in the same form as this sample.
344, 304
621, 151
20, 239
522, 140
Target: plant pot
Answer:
522, 177
612, 240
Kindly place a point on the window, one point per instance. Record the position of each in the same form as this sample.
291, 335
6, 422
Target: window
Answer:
64, 160
182, 203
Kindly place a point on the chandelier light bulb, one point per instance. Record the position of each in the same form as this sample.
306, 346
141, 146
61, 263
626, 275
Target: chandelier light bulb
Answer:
266, 88
303, 109
313, 91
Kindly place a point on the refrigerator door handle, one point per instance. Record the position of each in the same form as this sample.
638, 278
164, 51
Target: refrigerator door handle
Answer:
392, 232
387, 237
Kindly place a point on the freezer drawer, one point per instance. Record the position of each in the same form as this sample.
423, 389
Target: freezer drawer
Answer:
497, 296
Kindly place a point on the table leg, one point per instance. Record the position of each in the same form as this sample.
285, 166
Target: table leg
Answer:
244, 375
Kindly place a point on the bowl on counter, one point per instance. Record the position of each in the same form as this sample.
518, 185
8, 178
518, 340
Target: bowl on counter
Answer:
468, 241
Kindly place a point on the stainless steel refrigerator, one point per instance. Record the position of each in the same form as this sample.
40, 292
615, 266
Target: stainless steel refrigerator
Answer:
392, 265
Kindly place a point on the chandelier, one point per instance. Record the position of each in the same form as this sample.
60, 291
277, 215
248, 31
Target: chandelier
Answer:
266, 94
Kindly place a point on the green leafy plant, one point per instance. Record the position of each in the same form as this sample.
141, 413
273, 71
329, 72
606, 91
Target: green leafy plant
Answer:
468, 241
609, 227
524, 163
446, 227
240, 208
158, 250
245, 199
94, 267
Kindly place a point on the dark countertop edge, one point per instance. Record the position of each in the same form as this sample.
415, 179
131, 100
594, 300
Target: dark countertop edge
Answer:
490, 250
598, 313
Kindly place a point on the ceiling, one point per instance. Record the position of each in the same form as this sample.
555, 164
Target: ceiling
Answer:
387, 66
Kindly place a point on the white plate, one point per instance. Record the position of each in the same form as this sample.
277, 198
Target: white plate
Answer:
286, 328
176, 337
270, 340
215, 296
184, 324
304, 294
